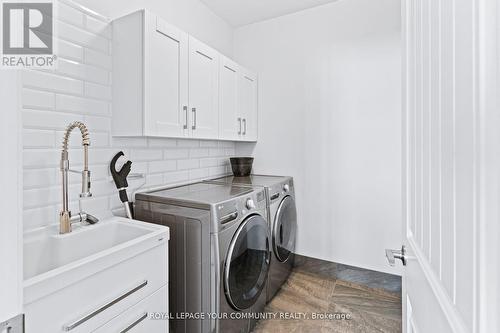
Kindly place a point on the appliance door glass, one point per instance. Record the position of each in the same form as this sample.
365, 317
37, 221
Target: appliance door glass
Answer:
247, 263
284, 229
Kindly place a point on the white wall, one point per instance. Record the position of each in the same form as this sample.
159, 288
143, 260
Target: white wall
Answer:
192, 16
80, 89
329, 89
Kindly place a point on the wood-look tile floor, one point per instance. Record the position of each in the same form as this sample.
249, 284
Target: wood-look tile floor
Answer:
363, 309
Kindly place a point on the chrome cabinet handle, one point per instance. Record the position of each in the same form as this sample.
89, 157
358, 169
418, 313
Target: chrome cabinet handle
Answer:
239, 119
76, 323
135, 323
244, 126
194, 118
185, 109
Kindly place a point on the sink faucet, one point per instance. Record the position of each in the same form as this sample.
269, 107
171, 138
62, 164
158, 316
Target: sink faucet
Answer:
65, 218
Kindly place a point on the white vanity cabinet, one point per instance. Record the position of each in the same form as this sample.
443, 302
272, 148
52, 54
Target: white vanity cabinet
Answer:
238, 102
169, 84
110, 290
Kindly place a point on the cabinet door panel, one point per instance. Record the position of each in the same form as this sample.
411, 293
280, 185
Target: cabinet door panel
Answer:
166, 81
228, 99
247, 104
203, 90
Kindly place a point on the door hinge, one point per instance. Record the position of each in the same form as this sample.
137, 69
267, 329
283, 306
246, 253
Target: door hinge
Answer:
13, 325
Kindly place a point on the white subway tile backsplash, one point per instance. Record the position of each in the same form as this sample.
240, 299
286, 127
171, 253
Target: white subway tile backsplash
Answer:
162, 166
176, 177
217, 171
37, 217
175, 153
38, 138
146, 154
48, 81
154, 180
39, 177
69, 50
188, 164
80, 89
97, 58
47, 119
196, 174
70, 15
162, 143
95, 123
42, 158
198, 152
209, 162
98, 27
81, 105
188, 143
81, 37
216, 152
99, 91
37, 99
82, 71
209, 143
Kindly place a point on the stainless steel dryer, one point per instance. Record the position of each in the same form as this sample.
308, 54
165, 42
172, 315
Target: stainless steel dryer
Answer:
282, 217
219, 253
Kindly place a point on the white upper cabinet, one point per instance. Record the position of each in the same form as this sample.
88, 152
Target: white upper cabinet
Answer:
203, 90
247, 104
230, 120
165, 84
238, 102
168, 84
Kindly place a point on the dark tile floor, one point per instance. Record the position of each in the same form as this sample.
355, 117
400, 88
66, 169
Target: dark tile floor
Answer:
313, 290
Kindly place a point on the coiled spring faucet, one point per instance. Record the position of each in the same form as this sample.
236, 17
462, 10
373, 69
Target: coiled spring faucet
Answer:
65, 218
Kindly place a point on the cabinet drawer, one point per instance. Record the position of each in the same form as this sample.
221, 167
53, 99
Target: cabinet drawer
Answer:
91, 302
136, 319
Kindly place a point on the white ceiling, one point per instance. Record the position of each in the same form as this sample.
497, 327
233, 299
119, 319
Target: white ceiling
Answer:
241, 12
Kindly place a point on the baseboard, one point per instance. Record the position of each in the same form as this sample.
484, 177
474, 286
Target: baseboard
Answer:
372, 279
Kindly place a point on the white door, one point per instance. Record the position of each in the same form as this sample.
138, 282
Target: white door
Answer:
230, 121
445, 128
247, 104
203, 90
166, 90
10, 202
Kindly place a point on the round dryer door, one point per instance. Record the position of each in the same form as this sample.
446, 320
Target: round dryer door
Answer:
284, 229
247, 263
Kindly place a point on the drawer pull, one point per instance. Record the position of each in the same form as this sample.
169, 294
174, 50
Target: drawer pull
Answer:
275, 196
106, 306
135, 323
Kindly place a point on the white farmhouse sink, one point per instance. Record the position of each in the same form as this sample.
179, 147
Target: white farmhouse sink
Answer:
52, 261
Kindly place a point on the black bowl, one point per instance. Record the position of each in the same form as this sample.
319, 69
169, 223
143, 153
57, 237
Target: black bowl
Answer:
242, 166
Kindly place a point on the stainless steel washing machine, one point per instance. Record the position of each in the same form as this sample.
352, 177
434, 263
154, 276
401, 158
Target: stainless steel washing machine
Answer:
219, 254
282, 217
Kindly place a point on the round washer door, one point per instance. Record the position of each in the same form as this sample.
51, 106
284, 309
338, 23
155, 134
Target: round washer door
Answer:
247, 263
284, 229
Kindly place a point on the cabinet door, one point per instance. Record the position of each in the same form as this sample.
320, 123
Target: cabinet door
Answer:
247, 105
230, 121
203, 90
166, 72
